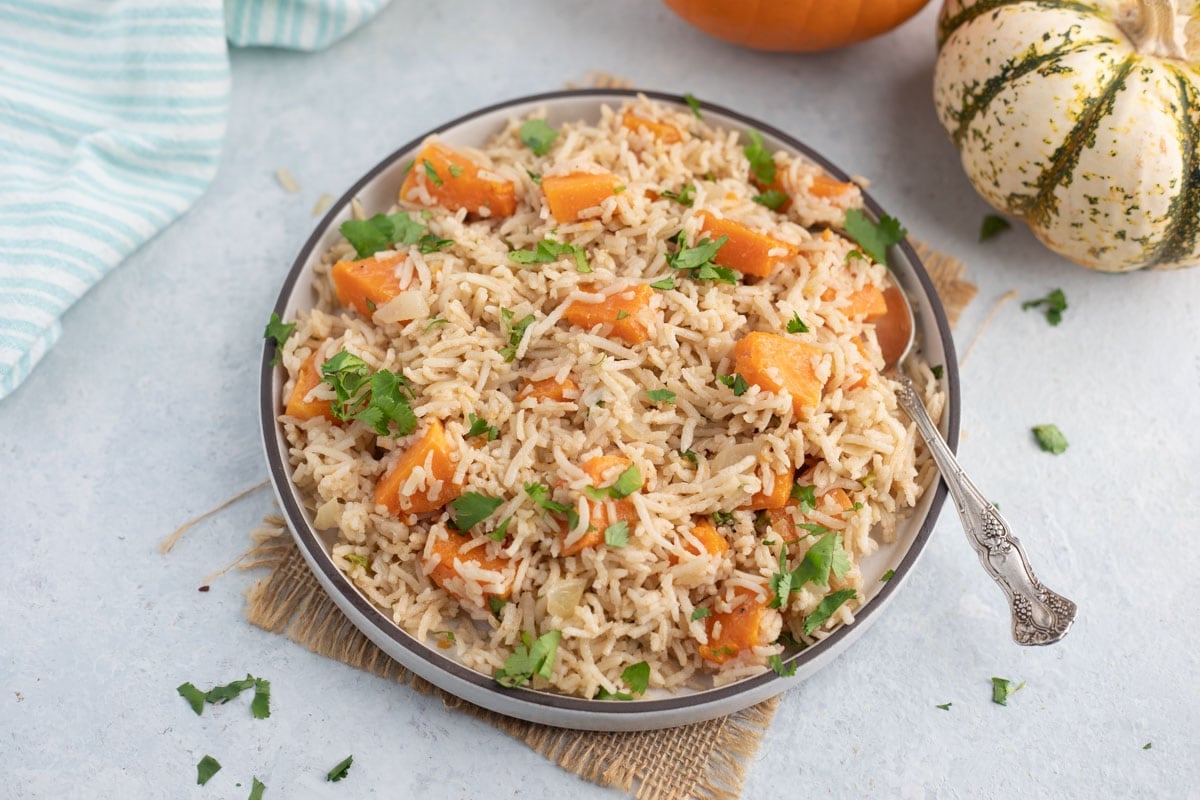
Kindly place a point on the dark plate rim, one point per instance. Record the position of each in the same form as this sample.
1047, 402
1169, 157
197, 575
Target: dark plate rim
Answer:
308, 539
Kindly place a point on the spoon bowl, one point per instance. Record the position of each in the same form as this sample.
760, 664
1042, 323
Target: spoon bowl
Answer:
1039, 616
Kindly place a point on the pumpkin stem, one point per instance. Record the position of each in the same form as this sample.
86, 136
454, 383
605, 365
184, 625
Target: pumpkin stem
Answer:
1150, 25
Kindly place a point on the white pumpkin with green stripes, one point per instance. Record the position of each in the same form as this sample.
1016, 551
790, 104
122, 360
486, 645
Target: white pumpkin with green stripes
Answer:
1082, 118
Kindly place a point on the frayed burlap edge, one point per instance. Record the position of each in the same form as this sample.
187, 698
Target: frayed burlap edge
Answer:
705, 761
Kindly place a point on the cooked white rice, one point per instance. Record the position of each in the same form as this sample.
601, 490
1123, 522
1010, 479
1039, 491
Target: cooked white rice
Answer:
617, 606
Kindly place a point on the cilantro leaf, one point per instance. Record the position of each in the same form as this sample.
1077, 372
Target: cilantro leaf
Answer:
528, 659
944, 706
386, 405
627, 483
501, 532
432, 244
735, 382
207, 767
223, 694
661, 395
855, 254
256, 790
514, 331
806, 496
795, 324
1147, 745
1002, 689
825, 609
772, 199
1055, 303
701, 613
938, 370
1050, 438
279, 332
874, 238
496, 605
693, 104
260, 706
455, 170
637, 677
534, 176
781, 582
480, 427
540, 494
538, 136
666, 284
341, 770
617, 534
472, 508
436, 321
761, 162
993, 225
431, 173
194, 696
722, 517
694, 257
349, 376
685, 196
548, 251
369, 236
825, 556
887, 576
689, 455
781, 669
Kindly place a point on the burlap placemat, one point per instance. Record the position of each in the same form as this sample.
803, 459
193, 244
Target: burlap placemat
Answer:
705, 761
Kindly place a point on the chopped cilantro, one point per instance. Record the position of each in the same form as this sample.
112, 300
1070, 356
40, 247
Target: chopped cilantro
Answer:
781, 669
480, 427
369, 236
530, 658
628, 482
772, 199
722, 517
435, 321
548, 251
993, 225
455, 170
370, 304
472, 508
1002, 689
762, 164
431, 173
350, 377
661, 395
685, 196
279, 332
666, 284
501, 532
701, 613
617, 534
496, 605
194, 696
806, 496
689, 455
781, 581
796, 325
938, 371
256, 789
697, 261
619, 189
540, 494
223, 694
358, 559
813, 528
622, 314
826, 556
386, 404
1055, 303
514, 331
260, 706
825, 609
447, 636
735, 382
855, 254
944, 706
1147, 745
432, 244
693, 104
1050, 438
538, 136
887, 576
874, 237
637, 677
534, 176
340, 771
207, 767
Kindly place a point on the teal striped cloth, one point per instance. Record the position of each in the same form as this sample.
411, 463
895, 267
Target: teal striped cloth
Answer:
112, 115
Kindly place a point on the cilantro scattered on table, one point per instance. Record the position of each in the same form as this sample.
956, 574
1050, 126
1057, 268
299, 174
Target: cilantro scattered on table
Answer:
1050, 438
207, 767
617, 534
795, 324
340, 771
772, 199
278, 331
219, 695
661, 395
762, 164
1002, 689
992, 226
944, 706
260, 706
194, 696
548, 251
874, 237
472, 508
697, 261
256, 790
530, 658
1147, 745
693, 104
1054, 303
538, 136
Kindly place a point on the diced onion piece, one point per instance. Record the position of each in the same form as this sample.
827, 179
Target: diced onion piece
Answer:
562, 597
729, 456
403, 307
328, 515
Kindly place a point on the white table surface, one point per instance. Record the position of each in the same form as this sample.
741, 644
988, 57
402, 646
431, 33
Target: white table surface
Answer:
144, 415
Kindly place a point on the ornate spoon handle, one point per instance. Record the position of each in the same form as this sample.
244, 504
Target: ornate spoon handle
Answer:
1039, 616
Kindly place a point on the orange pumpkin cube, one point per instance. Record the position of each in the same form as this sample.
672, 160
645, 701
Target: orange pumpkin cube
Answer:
740, 628
710, 539
571, 195
827, 187
667, 134
618, 310
449, 550
777, 363
781, 492
431, 451
867, 302
307, 379
366, 284
458, 184
602, 470
549, 389
747, 250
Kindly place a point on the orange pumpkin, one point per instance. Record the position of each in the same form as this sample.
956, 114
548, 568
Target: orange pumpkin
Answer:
797, 26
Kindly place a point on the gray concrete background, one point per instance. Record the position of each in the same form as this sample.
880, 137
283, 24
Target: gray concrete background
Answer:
144, 415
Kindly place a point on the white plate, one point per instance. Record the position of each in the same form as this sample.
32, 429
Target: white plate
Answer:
377, 190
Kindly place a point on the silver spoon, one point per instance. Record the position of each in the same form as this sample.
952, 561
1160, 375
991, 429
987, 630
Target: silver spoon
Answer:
1039, 616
